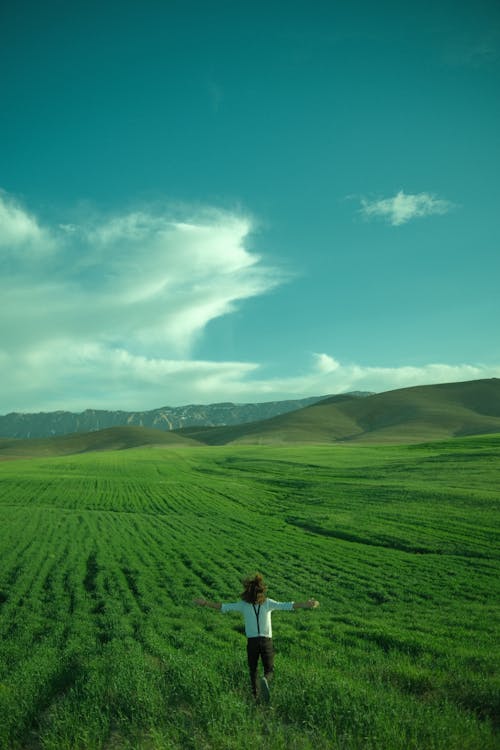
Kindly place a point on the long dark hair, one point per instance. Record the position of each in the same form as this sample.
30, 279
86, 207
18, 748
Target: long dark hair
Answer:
255, 590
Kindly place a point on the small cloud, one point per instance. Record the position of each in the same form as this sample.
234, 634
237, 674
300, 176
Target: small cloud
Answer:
329, 376
18, 229
326, 364
403, 207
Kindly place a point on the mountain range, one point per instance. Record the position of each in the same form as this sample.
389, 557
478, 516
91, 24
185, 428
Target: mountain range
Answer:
49, 424
407, 415
420, 413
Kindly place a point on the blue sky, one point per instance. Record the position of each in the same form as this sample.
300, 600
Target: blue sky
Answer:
242, 202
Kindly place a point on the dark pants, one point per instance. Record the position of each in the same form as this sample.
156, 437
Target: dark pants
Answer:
262, 647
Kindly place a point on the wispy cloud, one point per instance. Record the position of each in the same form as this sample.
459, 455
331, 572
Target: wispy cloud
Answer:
76, 376
20, 231
104, 314
126, 295
403, 207
326, 375
351, 376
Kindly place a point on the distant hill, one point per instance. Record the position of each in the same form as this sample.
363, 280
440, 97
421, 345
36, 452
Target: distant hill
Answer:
431, 412
407, 415
167, 418
111, 439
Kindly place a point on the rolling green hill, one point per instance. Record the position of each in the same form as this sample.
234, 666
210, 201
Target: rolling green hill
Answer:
407, 415
432, 412
112, 439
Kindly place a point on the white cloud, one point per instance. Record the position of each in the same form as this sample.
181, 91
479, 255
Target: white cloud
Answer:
75, 376
350, 376
322, 379
108, 317
18, 229
139, 278
118, 301
403, 207
326, 364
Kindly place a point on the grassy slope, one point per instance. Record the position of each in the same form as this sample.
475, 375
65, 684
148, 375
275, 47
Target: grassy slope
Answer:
114, 438
102, 553
400, 416
430, 412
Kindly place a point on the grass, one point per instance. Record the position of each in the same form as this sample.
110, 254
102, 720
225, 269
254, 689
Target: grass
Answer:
406, 415
102, 553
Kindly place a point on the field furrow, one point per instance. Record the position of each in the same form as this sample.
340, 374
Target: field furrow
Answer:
101, 556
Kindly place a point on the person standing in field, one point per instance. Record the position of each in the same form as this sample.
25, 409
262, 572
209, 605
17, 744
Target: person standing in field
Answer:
256, 609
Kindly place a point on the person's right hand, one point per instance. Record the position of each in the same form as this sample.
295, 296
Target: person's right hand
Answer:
312, 603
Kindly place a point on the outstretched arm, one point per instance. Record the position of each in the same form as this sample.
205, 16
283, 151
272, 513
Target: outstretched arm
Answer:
310, 604
205, 603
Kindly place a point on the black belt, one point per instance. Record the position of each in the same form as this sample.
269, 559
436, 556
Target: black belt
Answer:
259, 638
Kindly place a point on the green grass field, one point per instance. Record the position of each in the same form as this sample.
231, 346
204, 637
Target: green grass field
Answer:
102, 553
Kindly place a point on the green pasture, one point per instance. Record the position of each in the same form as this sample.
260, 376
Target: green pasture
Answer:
102, 553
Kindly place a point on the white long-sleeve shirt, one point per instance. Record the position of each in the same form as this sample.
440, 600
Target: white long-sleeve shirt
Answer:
250, 613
